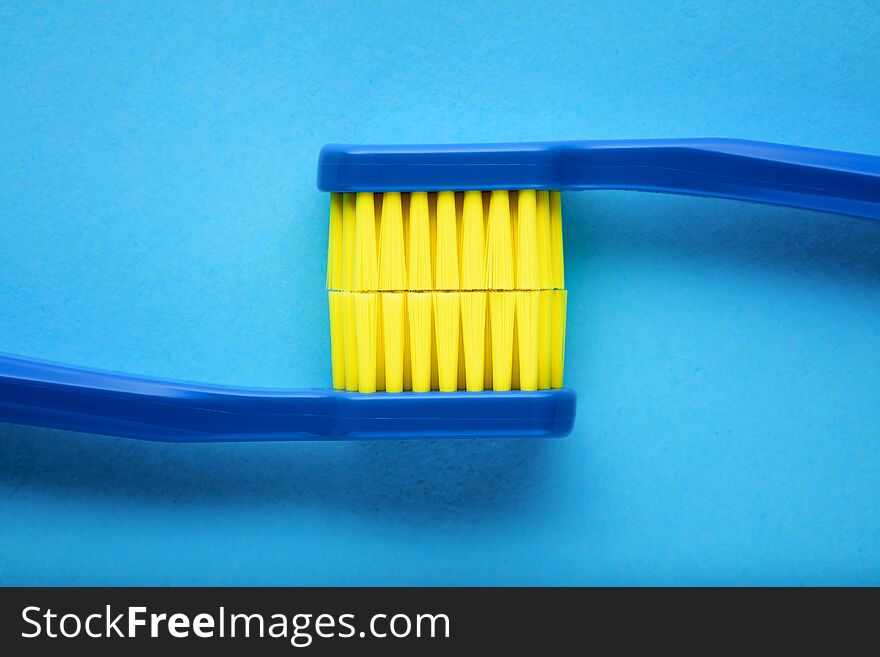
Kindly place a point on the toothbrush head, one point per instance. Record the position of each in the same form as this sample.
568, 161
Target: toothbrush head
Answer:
446, 290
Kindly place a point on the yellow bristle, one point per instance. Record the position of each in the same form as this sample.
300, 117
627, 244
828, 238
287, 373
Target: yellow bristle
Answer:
446, 330
393, 339
349, 218
499, 243
557, 338
380, 344
407, 368
556, 240
336, 281
513, 201
487, 351
528, 306
365, 316
396, 263
349, 328
542, 241
473, 247
514, 357
527, 277
432, 220
366, 273
377, 217
545, 282
459, 221
404, 207
337, 339
459, 211
392, 256
418, 310
462, 373
502, 310
473, 338
334, 244
545, 350
435, 376
446, 251
419, 243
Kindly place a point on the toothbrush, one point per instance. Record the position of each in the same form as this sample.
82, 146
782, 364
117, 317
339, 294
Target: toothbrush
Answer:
404, 317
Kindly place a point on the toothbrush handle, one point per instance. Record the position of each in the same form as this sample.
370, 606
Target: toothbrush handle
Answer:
810, 178
44, 394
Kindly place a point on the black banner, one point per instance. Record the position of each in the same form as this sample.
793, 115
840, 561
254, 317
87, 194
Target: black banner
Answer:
423, 620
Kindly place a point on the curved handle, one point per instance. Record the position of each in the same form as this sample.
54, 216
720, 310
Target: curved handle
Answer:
50, 395
810, 178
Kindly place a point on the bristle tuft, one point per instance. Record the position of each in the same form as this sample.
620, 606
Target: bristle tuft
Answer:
557, 337
542, 241
528, 307
526, 241
392, 334
499, 243
545, 346
502, 311
349, 212
446, 332
366, 274
473, 243
419, 243
337, 339
392, 254
446, 249
558, 263
335, 258
473, 334
446, 291
418, 308
365, 316
349, 327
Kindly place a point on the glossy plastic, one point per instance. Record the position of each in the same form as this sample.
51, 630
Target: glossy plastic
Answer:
811, 178
50, 395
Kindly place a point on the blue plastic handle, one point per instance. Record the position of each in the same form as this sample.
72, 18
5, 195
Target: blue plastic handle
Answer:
810, 178
49, 395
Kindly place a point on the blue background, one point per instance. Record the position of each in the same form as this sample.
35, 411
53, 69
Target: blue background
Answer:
158, 215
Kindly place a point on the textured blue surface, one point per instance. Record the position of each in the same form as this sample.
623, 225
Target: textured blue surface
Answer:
158, 214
